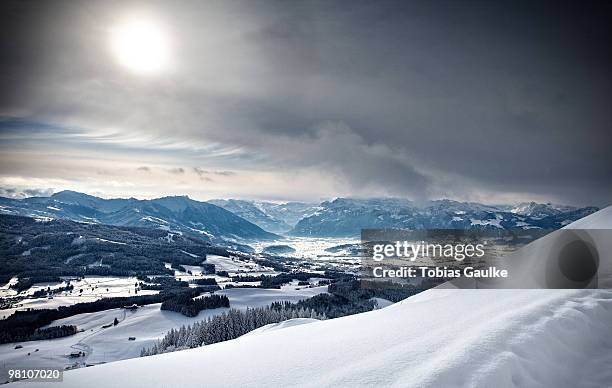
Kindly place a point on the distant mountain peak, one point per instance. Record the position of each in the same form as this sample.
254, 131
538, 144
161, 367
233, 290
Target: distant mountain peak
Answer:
184, 197
270, 216
70, 193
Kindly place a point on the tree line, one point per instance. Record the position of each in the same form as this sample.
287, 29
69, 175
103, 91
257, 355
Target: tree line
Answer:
53, 332
189, 307
227, 326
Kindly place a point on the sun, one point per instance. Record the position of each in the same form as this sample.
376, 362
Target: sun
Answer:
141, 46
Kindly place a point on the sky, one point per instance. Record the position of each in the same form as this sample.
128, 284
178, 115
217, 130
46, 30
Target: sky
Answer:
495, 102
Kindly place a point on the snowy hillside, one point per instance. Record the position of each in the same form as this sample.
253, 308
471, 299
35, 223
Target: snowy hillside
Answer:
145, 325
439, 338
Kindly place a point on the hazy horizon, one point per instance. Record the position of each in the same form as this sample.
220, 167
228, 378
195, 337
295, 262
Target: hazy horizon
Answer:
45, 194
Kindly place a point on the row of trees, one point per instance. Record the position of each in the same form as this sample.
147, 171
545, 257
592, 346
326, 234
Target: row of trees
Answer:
276, 281
205, 281
53, 332
50, 291
352, 296
159, 283
228, 326
189, 307
25, 283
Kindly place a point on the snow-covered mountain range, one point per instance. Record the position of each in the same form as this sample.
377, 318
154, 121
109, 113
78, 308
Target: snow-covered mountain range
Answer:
346, 217
540, 210
242, 219
179, 214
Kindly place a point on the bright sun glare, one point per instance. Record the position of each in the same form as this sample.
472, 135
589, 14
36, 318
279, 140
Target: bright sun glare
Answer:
141, 46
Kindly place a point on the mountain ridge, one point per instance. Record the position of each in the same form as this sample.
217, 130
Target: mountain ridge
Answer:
233, 219
172, 213
347, 216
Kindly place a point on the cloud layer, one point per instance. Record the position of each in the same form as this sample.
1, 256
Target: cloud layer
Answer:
305, 100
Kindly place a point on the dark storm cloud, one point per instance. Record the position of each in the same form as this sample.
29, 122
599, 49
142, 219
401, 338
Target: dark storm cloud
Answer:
418, 99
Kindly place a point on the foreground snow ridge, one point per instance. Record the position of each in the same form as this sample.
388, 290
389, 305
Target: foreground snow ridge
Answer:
439, 338
481, 338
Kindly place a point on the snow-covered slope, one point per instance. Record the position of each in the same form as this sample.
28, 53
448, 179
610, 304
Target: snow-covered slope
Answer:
599, 220
146, 325
439, 338
282, 325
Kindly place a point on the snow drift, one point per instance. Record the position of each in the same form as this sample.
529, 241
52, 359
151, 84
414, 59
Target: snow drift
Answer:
439, 338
